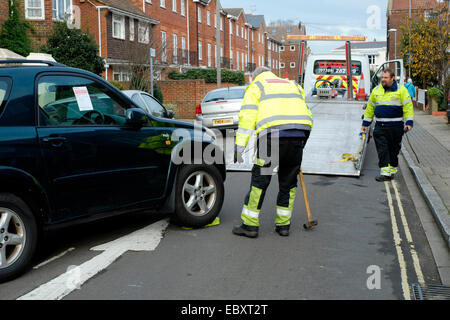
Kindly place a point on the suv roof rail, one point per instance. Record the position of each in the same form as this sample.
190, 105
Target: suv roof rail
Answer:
17, 61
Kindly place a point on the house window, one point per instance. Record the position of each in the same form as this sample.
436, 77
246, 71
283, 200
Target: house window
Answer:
231, 57
199, 15
246, 34
61, 9
174, 5
242, 61
200, 49
292, 48
183, 47
121, 75
209, 55
231, 27
143, 32
221, 24
175, 48
118, 26
292, 65
208, 18
215, 21
281, 48
183, 7
237, 61
259, 37
242, 32
282, 65
237, 30
288, 30
274, 30
163, 46
34, 9
131, 21
163, 3
371, 59
252, 37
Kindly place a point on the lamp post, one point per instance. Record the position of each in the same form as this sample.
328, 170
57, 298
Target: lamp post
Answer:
394, 30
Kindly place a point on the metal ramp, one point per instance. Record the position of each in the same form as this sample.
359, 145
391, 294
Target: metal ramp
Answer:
337, 124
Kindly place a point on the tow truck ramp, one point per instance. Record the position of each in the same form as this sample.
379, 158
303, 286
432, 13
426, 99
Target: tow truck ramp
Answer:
336, 128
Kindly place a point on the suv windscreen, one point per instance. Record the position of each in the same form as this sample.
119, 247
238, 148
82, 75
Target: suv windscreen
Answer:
229, 94
5, 85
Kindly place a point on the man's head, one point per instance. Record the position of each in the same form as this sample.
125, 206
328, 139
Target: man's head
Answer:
258, 71
387, 78
410, 80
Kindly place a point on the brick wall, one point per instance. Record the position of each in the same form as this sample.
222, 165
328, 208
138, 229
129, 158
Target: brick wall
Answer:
41, 28
4, 9
186, 94
287, 57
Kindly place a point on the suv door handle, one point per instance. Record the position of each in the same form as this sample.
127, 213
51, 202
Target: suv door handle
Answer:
55, 141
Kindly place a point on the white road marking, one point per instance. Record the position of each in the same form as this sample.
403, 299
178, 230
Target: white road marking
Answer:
414, 255
398, 241
54, 258
146, 239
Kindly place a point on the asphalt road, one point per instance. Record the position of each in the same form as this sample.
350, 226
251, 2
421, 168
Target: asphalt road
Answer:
356, 237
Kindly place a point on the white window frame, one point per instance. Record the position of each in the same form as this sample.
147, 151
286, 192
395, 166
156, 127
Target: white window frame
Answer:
208, 17
175, 48
163, 46
221, 23
281, 48
174, 5
42, 8
215, 21
242, 61
292, 65
242, 33
67, 10
117, 18
183, 47
183, 7
199, 14
131, 26
231, 27
209, 55
292, 48
238, 67
200, 51
162, 3
143, 37
237, 30
282, 65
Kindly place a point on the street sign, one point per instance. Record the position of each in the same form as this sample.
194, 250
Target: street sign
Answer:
152, 53
408, 59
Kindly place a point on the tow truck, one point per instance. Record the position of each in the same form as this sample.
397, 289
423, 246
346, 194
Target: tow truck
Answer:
332, 84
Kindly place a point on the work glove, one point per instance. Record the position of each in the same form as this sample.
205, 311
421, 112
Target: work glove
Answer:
237, 155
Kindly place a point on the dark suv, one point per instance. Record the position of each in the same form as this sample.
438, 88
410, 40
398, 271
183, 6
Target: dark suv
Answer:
74, 148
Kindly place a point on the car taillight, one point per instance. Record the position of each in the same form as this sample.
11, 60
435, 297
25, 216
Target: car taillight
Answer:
198, 110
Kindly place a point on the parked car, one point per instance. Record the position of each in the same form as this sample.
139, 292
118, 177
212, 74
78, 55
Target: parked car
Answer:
220, 108
73, 148
148, 103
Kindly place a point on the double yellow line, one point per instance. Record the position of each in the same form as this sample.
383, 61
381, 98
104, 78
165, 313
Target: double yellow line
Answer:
398, 240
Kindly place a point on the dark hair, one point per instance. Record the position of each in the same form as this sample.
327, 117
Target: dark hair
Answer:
390, 71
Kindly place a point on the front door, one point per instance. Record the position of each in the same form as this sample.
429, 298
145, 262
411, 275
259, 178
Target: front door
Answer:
95, 162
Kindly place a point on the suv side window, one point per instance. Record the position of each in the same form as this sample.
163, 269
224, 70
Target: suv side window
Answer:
156, 109
5, 86
71, 100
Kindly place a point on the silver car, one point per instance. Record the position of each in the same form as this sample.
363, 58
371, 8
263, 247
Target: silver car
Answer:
220, 108
149, 104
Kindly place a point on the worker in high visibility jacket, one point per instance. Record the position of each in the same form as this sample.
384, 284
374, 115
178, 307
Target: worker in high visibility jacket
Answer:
390, 104
274, 110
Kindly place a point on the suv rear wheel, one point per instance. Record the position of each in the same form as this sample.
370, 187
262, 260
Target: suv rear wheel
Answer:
199, 195
18, 236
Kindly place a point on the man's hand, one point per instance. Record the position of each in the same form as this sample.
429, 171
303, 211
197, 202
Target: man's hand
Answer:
408, 128
237, 156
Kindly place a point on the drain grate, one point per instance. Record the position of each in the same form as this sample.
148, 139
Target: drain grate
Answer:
430, 292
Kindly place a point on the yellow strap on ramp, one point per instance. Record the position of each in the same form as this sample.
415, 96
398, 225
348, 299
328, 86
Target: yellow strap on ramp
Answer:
353, 157
216, 222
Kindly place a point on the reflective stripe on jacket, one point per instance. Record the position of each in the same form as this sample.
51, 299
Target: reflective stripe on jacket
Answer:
271, 102
390, 107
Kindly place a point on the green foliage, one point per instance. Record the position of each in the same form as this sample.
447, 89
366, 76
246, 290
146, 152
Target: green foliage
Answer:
434, 93
446, 89
209, 75
157, 93
172, 107
14, 35
74, 48
117, 84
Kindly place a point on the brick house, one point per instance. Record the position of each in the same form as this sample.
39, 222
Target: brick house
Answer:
257, 39
397, 13
289, 49
122, 31
273, 54
238, 39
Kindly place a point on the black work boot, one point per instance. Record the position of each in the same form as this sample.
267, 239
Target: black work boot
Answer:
246, 231
382, 178
282, 230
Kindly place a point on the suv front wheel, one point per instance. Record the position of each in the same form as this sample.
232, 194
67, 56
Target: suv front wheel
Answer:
18, 236
199, 195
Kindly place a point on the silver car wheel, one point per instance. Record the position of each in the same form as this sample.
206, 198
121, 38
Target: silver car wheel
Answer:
12, 237
199, 193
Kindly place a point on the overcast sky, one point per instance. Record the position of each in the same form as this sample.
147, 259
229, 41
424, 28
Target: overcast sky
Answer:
323, 17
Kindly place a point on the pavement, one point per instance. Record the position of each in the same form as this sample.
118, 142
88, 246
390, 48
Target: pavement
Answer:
428, 156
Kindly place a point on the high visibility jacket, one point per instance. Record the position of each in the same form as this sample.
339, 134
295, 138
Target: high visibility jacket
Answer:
271, 103
389, 107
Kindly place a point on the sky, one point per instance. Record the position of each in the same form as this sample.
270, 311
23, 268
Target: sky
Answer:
323, 17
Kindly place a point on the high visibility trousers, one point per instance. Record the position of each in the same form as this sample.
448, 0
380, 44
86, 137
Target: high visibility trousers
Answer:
290, 158
388, 141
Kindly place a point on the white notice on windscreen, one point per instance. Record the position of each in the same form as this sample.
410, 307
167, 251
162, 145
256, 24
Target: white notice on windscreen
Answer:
83, 99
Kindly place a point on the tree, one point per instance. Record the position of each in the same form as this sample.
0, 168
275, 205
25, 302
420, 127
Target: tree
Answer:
14, 35
74, 48
429, 45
